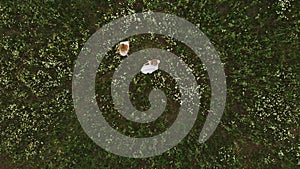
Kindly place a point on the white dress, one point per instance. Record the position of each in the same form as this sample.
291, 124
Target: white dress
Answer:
149, 68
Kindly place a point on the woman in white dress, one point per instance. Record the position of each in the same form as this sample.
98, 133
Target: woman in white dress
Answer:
123, 48
150, 67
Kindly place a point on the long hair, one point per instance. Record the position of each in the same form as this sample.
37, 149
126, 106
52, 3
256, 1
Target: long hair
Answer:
123, 47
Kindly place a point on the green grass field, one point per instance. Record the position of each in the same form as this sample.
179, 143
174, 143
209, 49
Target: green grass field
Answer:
258, 43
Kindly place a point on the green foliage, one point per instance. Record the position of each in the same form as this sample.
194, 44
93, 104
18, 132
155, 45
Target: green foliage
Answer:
257, 41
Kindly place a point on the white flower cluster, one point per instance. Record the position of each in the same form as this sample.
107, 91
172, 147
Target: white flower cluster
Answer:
284, 6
